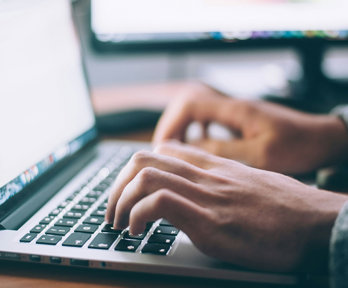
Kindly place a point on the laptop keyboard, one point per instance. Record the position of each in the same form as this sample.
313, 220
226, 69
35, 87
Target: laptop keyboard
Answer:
80, 219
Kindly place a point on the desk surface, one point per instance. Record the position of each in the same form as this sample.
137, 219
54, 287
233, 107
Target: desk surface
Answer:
26, 275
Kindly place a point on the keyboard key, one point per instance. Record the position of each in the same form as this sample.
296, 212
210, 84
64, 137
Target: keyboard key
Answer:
56, 230
164, 222
103, 241
148, 226
28, 237
73, 214
66, 222
38, 228
102, 187
103, 206
161, 239
98, 213
87, 228
70, 198
64, 204
80, 208
107, 181
49, 239
115, 173
137, 237
94, 194
109, 229
127, 245
87, 201
94, 220
159, 249
76, 239
166, 230
55, 212
47, 220
110, 179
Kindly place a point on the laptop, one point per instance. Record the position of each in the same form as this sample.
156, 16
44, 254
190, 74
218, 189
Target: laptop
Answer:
55, 174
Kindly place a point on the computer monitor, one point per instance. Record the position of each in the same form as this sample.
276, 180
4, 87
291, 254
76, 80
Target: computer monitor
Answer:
138, 23
308, 26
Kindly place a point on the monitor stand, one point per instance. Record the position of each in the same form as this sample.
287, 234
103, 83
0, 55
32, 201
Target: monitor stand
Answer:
315, 92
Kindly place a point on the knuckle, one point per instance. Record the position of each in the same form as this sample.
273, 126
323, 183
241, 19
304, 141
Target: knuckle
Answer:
163, 147
191, 92
245, 105
141, 157
162, 199
167, 146
147, 174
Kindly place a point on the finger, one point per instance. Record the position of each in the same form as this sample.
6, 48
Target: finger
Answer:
188, 153
173, 122
178, 210
150, 180
236, 149
144, 159
180, 113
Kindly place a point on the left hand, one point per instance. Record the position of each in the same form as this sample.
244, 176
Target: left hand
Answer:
268, 136
249, 217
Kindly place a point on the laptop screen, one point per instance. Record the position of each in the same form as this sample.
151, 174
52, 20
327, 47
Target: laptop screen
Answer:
45, 110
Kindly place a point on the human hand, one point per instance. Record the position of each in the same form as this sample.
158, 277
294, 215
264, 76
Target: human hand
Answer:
249, 217
269, 136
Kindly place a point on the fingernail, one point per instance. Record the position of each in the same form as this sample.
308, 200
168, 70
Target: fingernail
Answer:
133, 232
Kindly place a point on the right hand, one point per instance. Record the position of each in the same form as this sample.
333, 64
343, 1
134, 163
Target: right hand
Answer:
271, 136
249, 217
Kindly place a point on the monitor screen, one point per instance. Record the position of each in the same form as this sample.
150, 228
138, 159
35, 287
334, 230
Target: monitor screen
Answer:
45, 110
131, 20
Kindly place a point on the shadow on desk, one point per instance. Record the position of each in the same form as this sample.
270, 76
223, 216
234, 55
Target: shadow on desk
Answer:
13, 275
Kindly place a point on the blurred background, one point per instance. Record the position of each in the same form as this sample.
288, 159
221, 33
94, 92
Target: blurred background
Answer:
269, 66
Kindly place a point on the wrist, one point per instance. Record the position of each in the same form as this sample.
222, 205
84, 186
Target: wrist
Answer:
333, 139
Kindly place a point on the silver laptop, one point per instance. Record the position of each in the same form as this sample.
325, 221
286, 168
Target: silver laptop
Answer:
55, 175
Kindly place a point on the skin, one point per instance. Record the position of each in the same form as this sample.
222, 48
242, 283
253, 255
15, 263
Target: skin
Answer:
246, 216
242, 215
265, 132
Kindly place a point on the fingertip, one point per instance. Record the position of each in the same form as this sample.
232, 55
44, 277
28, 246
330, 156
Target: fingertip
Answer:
120, 224
117, 226
136, 229
109, 215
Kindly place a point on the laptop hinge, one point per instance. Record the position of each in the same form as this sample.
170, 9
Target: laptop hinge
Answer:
45, 190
